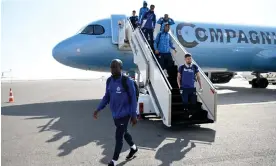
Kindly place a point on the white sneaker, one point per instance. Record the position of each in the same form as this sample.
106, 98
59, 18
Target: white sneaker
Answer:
165, 72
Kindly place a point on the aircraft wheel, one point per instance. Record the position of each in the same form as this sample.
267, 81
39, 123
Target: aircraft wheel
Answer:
254, 83
263, 83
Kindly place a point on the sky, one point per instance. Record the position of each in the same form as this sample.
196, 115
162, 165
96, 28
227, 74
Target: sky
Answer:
31, 28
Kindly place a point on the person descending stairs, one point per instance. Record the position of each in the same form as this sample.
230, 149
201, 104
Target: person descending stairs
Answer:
179, 114
160, 76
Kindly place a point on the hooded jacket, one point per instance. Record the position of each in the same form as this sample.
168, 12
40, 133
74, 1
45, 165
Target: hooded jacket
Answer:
143, 10
118, 99
163, 42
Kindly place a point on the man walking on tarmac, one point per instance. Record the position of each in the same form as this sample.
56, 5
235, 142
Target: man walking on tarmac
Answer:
123, 104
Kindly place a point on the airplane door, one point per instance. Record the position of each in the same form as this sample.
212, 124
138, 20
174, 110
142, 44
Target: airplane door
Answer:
115, 27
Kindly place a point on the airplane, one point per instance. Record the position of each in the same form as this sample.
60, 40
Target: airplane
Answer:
219, 49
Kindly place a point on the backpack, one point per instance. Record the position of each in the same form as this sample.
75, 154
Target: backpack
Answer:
159, 37
182, 67
125, 86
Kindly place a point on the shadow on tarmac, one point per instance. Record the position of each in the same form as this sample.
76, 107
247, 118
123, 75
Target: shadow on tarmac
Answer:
75, 119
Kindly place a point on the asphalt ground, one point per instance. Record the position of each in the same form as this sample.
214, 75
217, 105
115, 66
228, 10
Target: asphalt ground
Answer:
51, 123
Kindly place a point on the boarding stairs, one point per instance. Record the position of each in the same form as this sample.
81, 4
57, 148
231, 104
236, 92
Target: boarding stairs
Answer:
164, 92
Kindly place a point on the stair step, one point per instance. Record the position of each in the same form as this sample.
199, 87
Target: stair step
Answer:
179, 112
176, 98
189, 111
179, 106
174, 85
191, 121
175, 90
172, 77
191, 115
180, 115
176, 93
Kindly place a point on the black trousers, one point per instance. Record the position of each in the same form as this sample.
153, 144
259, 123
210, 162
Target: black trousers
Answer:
165, 60
121, 132
189, 94
149, 36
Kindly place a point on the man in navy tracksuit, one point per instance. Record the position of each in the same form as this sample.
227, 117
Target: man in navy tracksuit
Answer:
162, 46
187, 74
123, 107
149, 25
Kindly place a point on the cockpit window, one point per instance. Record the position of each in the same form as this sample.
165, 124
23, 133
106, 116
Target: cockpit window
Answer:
98, 30
93, 30
88, 30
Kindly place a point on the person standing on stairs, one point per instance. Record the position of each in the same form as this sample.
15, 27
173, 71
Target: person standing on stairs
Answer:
147, 23
165, 20
188, 73
143, 10
134, 19
162, 46
121, 96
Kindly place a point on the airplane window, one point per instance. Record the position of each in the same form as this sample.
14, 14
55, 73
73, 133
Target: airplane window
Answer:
98, 29
93, 30
88, 30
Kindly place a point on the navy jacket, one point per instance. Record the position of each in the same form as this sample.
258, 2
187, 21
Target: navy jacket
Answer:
134, 21
118, 99
151, 20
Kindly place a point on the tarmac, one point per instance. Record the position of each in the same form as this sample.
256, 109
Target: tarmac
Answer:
51, 123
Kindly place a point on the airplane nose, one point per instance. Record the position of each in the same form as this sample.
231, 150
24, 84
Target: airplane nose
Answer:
61, 52
57, 52
64, 49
